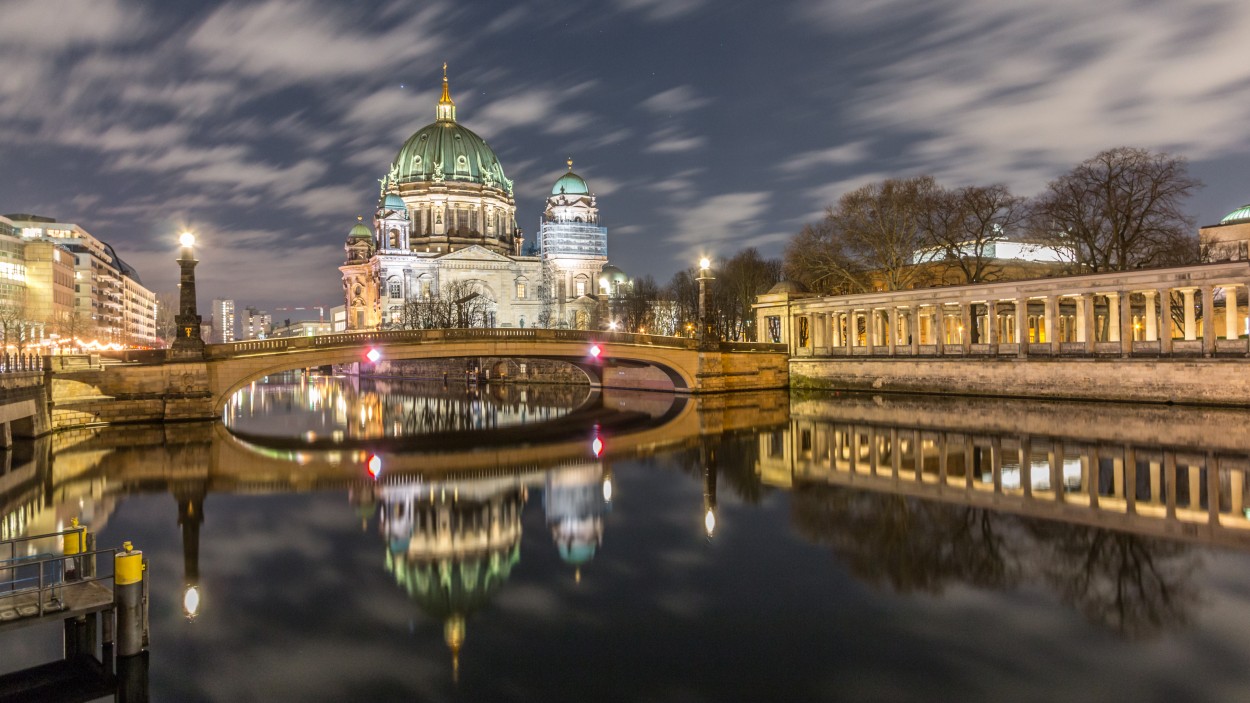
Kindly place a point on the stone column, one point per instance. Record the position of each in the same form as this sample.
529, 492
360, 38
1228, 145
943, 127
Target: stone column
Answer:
1191, 325
1208, 320
892, 332
819, 322
1126, 324
1087, 324
1022, 327
913, 322
1230, 313
1165, 321
1113, 317
1049, 317
965, 321
1026, 466
870, 329
939, 328
1152, 315
850, 332
991, 326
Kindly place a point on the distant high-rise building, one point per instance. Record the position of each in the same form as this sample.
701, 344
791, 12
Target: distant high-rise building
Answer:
257, 324
223, 321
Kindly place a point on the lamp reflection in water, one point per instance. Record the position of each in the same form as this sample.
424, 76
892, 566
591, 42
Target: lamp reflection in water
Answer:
708, 457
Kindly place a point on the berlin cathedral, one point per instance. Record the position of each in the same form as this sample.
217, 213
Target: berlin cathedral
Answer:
446, 227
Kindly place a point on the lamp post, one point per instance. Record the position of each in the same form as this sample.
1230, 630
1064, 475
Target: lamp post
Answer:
187, 342
705, 275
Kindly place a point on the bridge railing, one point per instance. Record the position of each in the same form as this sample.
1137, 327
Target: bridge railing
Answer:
341, 339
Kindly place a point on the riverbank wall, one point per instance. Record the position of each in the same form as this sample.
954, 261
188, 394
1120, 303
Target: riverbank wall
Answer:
1191, 381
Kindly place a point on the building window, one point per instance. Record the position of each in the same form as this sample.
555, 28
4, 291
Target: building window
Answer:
580, 287
520, 290
395, 289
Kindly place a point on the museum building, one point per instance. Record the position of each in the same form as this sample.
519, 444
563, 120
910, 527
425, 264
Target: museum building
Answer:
446, 228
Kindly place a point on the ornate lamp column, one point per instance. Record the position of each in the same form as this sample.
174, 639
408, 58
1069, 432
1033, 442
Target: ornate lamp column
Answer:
187, 343
705, 275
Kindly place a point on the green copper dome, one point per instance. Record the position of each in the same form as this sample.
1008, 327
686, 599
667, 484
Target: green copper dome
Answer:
570, 184
446, 151
393, 202
359, 231
1241, 214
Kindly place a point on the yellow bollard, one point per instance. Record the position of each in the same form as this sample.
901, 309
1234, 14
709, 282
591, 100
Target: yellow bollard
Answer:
128, 585
75, 540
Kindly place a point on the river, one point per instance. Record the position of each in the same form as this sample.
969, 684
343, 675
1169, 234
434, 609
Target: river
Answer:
354, 539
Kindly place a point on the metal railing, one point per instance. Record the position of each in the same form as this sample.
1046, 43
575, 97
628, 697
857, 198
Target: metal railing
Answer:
44, 577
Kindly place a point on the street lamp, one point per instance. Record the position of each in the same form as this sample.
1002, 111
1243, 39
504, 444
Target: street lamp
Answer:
187, 342
705, 275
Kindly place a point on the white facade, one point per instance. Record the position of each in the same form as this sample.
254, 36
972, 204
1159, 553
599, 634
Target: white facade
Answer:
445, 225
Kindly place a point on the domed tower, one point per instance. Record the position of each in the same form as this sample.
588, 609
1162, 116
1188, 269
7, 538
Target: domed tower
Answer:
574, 247
392, 224
360, 287
453, 188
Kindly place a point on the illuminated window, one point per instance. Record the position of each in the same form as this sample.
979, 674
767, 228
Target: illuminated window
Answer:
520, 290
395, 291
580, 287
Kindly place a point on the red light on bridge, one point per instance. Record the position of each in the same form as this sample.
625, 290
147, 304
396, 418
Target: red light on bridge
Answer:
373, 355
597, 447
374, 466
595, 351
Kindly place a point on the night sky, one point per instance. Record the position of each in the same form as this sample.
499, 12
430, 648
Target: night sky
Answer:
703, 127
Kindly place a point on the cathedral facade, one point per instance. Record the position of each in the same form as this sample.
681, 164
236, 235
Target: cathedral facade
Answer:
445, 249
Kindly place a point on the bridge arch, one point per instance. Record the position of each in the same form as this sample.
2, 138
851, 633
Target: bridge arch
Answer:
233, 366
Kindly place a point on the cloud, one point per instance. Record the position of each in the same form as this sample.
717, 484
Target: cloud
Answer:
54, 24
680, 99
1020, 91
284, 41
679, 186
845, 155
661, 10
716, 224
672, 140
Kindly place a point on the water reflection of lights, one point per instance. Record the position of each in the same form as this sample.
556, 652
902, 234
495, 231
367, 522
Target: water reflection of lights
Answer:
709, 521
191, 602
597, 446
375, 466
607, 490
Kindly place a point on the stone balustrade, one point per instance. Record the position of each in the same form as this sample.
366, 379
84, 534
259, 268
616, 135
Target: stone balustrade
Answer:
1187, 311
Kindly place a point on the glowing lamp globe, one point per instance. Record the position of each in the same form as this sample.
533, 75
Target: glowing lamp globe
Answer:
186, 239
595, 351
705, 262
373, 355
374, 465
597, 446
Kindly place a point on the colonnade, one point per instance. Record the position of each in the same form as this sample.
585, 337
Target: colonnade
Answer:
1155, 487
1190, 310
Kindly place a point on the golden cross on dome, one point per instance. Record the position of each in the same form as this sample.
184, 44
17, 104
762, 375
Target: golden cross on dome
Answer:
444, 71
570, 163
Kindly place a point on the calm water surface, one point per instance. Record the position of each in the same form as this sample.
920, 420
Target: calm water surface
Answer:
761, 547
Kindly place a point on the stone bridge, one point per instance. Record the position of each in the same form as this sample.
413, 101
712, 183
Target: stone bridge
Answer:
154, 388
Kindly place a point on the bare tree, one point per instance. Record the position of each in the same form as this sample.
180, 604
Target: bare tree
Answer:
963, 226
1119, 210
738, 281
546, 298
636, 308
167, 303
868, 240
